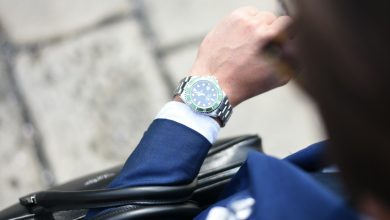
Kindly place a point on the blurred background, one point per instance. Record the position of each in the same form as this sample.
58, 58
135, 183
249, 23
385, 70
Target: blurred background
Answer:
80, 80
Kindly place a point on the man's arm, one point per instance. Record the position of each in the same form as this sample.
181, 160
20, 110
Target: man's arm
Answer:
232, 53
171, 151
175, 145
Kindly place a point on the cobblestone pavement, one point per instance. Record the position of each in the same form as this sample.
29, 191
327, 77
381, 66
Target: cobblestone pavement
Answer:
80, 80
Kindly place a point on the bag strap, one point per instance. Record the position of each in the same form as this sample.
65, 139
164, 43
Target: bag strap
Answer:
51, 201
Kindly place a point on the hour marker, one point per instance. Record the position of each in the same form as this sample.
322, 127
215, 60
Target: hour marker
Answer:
214, 94
204, 105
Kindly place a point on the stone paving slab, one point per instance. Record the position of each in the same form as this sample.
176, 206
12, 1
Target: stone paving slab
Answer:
178, 20
39, 20
285, 118
19, 170
89, 97
180, 61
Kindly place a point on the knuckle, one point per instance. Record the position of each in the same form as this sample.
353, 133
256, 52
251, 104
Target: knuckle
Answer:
266, 17
288, 19
237, 15
268, 14
244, 21
246, 10
271, 32
268, 33
249, 25
249, 8
265, 34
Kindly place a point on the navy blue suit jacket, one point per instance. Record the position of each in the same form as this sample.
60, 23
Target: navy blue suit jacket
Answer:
171, 154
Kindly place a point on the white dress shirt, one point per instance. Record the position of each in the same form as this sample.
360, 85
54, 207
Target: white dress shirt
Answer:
183, 114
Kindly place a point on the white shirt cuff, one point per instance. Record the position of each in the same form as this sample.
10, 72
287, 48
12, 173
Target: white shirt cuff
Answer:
181, 113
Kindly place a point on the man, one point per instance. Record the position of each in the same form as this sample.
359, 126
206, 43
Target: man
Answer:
339, 49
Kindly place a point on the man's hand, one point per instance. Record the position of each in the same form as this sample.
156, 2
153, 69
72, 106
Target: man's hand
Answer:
232, 53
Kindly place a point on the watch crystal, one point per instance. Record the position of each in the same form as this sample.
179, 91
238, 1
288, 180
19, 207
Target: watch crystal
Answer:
204, 94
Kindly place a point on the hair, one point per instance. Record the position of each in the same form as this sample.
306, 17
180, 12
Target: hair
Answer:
348, 76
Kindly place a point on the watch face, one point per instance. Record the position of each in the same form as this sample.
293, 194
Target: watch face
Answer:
203, 94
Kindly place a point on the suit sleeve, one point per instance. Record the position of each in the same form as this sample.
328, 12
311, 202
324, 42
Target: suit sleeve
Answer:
168, 154
312, 158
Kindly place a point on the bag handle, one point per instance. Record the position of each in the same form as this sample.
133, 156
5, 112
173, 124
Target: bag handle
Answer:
52, 201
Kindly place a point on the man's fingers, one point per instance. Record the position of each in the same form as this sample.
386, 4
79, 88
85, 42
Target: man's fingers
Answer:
266, 17
280, 24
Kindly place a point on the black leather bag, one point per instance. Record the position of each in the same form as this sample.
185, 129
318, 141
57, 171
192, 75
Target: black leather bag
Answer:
73, 199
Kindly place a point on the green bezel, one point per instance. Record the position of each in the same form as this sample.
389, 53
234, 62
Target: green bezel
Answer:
186, 96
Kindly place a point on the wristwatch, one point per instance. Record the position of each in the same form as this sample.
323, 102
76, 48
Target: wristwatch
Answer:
203, 95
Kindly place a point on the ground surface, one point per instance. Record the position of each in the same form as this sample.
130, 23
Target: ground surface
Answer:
80, 80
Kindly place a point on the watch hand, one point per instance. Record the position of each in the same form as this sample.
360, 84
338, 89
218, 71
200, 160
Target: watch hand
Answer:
198, 93
208, 98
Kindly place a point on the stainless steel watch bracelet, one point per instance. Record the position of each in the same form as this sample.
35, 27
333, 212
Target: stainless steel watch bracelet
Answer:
224, 111
179, 90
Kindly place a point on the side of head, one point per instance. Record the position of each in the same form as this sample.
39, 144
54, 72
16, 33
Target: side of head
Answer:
344, 47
